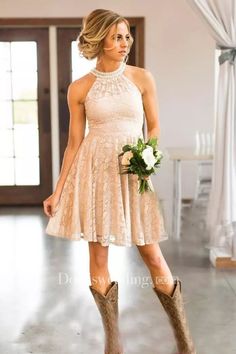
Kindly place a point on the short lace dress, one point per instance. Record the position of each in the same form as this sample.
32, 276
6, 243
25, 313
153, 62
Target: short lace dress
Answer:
97, 203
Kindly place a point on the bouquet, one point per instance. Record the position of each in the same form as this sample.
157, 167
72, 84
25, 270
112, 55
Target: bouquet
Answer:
141, 159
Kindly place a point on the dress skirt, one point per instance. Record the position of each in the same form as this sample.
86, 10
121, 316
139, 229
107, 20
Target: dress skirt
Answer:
99, 204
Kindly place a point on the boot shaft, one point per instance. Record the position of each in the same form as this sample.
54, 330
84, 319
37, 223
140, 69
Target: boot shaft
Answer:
174, 307
108, 307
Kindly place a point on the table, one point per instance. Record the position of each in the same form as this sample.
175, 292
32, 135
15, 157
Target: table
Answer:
178, 154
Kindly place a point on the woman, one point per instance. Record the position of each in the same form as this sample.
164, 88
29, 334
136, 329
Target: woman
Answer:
92, 200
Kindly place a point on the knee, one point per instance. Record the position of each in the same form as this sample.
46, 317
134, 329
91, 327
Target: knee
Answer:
154, 261
98, 255
99, 260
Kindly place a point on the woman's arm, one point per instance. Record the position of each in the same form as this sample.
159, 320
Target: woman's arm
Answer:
76, 132
150, 105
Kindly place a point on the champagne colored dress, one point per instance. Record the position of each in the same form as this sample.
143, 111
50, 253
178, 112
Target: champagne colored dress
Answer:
97, 203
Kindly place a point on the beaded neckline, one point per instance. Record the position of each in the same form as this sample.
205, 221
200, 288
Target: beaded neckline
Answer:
109, 74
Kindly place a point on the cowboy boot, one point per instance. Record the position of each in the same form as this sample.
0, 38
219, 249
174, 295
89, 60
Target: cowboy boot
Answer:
174, 307
108, 307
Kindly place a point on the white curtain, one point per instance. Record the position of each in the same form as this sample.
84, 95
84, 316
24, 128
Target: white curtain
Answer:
220, 18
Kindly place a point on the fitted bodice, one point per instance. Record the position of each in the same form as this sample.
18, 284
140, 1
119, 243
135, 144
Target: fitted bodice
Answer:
114, 104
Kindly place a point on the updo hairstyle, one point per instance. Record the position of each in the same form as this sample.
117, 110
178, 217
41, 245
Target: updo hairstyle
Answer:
95, 27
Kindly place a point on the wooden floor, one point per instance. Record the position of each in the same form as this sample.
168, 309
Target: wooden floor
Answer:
46, 306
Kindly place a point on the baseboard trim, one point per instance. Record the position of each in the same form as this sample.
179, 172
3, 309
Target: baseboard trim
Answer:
221, 262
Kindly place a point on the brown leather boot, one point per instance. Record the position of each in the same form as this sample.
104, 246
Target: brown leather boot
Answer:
108, 307
174, 308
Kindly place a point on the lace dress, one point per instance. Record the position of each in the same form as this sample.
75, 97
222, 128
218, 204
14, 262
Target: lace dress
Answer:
97, 203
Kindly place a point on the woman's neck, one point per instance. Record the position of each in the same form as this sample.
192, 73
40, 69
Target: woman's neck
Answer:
108, 66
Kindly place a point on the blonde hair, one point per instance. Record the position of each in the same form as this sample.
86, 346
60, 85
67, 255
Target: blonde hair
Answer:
95, 27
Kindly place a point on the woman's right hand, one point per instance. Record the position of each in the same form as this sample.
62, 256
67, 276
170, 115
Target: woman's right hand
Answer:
50, 204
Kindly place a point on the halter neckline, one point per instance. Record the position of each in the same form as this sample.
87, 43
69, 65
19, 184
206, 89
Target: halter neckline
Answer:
114, 73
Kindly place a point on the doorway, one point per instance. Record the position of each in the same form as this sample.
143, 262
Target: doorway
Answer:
25, 129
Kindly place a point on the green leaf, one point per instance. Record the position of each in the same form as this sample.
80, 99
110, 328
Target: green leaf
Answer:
152, 142
126, 148
140, 144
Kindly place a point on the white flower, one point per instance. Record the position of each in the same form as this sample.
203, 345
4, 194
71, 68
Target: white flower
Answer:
148, 157
159, 154
126, 158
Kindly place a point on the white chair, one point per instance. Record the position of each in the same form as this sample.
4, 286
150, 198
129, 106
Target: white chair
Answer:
203, 183
204, 144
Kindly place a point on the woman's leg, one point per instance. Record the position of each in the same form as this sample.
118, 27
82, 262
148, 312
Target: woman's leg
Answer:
98, 267
105, 294
159, 270
169, 294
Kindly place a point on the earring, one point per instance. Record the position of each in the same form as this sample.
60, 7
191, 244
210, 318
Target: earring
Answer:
126, 58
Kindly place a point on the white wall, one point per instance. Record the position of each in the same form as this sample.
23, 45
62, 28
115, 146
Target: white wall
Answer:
180, 54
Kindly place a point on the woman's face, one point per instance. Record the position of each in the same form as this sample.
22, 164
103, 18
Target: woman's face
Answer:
116, 43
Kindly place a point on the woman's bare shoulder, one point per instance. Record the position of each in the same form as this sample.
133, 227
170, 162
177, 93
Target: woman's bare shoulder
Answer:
82, 81
140, 76
79, 87
137, 70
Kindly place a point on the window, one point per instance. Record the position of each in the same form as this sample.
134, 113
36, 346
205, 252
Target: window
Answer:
19, 136
25, 127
